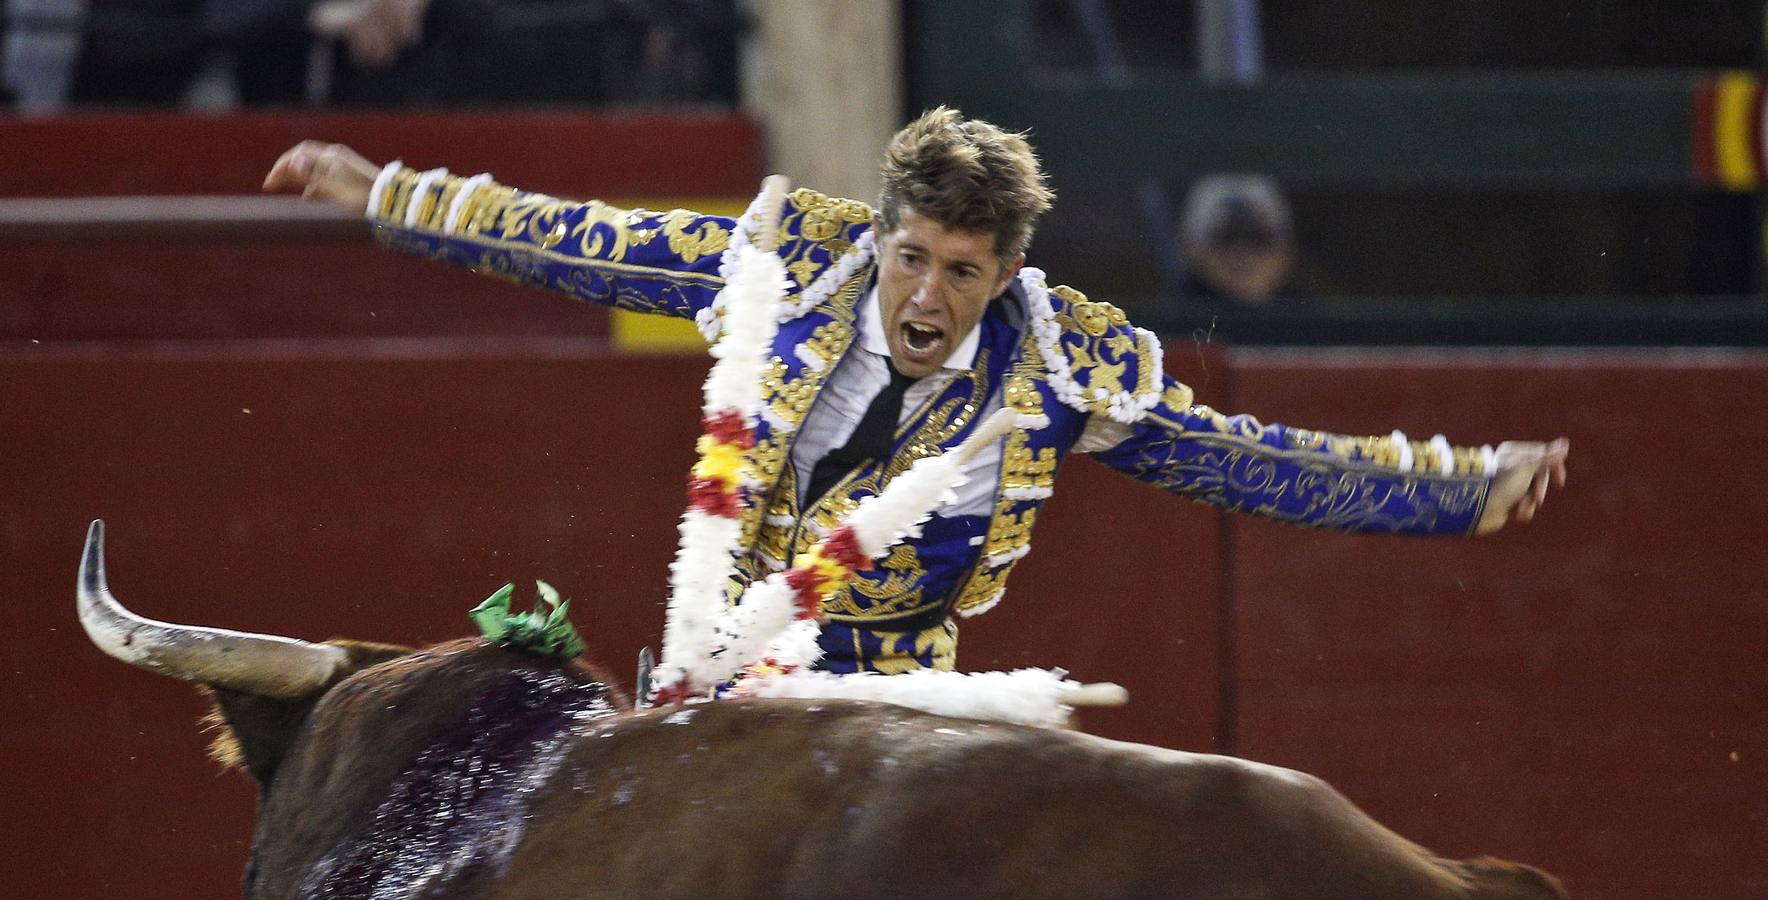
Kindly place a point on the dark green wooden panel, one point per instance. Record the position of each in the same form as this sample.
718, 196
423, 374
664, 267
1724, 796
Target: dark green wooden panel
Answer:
1473, 129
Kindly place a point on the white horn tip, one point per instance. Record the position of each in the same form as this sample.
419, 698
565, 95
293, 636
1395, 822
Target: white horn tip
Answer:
92, 560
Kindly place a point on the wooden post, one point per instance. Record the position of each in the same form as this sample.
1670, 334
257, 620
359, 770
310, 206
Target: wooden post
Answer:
824, 77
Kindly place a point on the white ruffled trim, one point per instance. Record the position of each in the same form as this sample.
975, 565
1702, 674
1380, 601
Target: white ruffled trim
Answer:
1024, 697
831, 279
764, 622
424, 182
740, 231
896, 513
810, 358
1445, 454
797, 645
1120, 405
817, 293
776, 423
696, 590
1488, 460
379, 188
745, 632
709, 320
467, 188
984, 606
1007, 556
741, 354
1399, 439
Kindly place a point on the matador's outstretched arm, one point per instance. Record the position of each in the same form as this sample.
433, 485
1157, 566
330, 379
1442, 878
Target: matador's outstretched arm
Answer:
668, 262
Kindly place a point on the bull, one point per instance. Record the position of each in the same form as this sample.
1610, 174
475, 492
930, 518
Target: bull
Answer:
467, 770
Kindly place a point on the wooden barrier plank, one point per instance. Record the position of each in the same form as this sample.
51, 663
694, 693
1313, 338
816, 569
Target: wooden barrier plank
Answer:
565, 152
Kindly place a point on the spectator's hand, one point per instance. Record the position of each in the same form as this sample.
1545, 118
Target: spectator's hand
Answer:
376, 31
1525, 469
321, 171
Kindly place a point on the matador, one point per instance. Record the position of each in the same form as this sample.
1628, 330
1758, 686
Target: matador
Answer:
903, 326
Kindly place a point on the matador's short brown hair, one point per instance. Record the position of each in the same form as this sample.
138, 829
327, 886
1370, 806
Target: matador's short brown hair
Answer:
966, 174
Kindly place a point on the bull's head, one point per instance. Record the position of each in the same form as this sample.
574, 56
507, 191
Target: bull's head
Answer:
391, 723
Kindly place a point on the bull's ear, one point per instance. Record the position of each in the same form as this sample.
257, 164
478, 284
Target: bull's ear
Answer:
255, 732
252, 732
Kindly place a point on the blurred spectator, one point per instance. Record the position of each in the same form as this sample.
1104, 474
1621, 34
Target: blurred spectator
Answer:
1237, 238
42, 39
152, 52
469, 52
382, 52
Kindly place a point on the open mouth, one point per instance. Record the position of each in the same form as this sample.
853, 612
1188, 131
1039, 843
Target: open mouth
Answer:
920, 338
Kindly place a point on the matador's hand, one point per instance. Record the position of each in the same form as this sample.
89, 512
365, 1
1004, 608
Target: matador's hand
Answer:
1525, 469
322, 171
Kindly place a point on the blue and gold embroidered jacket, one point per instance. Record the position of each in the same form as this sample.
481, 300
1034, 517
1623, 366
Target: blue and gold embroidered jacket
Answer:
1056, 357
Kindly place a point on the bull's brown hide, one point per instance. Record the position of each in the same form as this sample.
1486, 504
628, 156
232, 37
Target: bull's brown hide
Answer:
253, 733
385, 793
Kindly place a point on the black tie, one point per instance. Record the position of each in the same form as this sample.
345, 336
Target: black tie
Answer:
870, 439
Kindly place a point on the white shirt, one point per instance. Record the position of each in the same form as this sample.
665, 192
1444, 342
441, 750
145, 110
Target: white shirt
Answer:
861, 374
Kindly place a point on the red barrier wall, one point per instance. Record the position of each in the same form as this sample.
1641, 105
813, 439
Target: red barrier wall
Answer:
570, 153
104, 288
1585, 693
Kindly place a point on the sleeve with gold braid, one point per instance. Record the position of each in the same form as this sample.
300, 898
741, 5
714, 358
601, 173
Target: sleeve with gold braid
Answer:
640, 260
1384, 484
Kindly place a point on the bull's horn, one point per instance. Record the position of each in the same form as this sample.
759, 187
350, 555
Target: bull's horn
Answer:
261, 664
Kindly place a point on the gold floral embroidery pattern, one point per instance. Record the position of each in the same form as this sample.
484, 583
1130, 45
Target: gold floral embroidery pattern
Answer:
895, 594
816, 222
1101, 346
516, 232
1238, 473
690, 242
943, 421
1009, 533
1024, 469
939, 644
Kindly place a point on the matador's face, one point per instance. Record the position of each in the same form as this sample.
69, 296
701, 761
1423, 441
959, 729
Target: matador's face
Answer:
934, 283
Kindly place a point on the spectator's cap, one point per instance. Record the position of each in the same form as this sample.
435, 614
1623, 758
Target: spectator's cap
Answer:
1236, 209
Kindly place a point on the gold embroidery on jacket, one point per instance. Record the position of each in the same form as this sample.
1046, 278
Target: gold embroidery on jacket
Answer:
789, 399
1009, 534
939, 644
1101, 347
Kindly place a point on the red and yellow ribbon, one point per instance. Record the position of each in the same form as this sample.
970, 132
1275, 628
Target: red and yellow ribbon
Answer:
818, 573
715, 486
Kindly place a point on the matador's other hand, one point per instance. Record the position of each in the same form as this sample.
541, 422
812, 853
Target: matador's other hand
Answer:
1525, 469
322, 171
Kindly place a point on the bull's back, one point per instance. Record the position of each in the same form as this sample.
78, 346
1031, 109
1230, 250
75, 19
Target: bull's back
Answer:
854, 800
